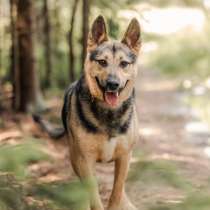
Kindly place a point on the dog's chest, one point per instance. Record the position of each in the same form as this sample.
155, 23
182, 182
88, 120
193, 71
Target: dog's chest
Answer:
108, 148
114, 122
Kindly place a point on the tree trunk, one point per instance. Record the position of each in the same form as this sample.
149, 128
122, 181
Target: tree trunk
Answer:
57, 32
14, 56
28, 79
48, 51
1, 48
85, 27
71, 47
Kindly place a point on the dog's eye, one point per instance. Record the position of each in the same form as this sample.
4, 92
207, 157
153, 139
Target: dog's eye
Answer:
103, 63
124, 64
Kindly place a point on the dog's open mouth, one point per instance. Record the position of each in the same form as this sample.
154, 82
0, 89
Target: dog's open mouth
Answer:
111, 98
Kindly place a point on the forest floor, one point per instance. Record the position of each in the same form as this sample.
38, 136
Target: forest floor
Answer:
169, 169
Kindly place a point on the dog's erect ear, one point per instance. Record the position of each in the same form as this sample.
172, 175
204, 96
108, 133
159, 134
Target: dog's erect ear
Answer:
97, 34
132, 37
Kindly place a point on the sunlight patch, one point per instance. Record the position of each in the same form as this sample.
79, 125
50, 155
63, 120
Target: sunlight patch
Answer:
171, 20
164, 21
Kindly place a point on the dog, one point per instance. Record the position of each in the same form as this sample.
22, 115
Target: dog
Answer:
99, 113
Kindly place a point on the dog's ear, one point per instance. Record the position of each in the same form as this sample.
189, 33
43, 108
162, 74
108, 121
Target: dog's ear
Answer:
132, 37
98, 33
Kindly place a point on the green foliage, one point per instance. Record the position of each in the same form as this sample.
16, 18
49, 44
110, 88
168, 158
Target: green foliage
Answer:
161, 171
13, 195
164, 174
114, 5
54, 196
16, 158
185, 54
10, 194
64, 195
196, 201
113, 28
202, 105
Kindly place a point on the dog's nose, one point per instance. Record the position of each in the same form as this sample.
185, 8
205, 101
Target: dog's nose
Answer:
112, 85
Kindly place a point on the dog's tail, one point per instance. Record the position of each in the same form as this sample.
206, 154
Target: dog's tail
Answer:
53, 132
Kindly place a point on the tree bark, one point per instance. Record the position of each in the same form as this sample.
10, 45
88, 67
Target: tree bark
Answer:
1, 47
14, 56
28, 78
47, 41
71, 46
56, 27
85, 27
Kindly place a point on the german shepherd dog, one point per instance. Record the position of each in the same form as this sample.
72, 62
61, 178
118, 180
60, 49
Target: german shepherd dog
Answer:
99, 115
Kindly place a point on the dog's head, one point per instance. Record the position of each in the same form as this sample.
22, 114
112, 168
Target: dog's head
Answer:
110, 66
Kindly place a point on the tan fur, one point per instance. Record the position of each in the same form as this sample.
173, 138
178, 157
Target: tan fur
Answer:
131, 37
97, 34
87, 148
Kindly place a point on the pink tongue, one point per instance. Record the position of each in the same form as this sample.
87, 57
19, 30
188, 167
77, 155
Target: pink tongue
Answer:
111, 98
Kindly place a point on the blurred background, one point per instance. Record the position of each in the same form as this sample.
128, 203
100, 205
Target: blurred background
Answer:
42, 49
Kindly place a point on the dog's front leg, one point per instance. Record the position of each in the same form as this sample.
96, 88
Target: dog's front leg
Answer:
118, 199
83, 167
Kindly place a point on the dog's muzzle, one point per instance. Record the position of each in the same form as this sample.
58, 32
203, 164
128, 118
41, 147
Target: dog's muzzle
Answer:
112, 85
111, 90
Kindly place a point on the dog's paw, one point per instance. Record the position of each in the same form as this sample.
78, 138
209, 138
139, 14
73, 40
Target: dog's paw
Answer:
97, 208
124, 205
128, 206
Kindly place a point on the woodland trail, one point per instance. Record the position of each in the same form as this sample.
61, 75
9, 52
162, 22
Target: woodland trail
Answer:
169, 166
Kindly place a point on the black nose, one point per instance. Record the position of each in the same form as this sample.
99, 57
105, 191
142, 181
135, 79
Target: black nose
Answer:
112, 85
